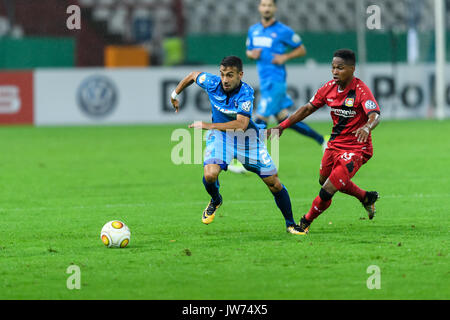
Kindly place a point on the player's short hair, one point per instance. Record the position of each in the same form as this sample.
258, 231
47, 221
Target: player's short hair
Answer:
232, 61
347, 55
274, 1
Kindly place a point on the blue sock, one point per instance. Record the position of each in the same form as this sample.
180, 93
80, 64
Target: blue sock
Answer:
261, 123
283, 202
306, 130
213, 190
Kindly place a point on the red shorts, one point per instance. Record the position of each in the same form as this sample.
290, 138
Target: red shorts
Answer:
341, 165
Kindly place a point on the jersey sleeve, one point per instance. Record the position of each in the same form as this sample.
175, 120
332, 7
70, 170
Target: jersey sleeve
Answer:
292, 39
245, 104
249, 41
368, 102
206, 80
319, 99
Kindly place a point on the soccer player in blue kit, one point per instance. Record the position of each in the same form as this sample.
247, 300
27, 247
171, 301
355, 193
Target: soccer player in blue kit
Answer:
267, 43
232, 134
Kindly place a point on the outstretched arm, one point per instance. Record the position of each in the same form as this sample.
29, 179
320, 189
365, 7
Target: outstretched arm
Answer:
183, 84
297, 116
241, 123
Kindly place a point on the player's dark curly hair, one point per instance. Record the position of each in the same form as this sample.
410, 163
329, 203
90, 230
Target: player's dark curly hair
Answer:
347, 55
232, 61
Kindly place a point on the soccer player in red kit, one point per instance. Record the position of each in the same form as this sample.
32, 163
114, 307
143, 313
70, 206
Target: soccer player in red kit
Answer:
355, 114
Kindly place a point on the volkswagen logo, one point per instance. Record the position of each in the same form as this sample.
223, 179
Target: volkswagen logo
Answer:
97, 96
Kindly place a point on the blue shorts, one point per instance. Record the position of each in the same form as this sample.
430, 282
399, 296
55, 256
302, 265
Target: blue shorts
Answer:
274, 98
248, 147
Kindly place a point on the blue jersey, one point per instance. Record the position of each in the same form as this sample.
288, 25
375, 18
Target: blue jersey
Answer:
275, 39
226, 106
221, 147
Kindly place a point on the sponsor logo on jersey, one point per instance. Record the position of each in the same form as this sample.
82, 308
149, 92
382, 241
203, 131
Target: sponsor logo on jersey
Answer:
265, 42
97, 96
349, 102
296, 38
343, 113
225, 111
202, 78
370, 105
246, 106
273, 35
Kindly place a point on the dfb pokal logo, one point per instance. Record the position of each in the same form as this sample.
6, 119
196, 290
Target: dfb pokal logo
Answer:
97, 96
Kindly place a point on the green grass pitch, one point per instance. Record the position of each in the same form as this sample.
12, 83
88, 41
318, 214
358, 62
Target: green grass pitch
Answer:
61, 184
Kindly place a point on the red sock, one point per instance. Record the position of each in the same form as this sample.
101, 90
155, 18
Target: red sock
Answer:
353, 190
318, 206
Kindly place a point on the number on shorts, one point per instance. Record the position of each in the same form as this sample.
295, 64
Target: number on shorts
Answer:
347, 156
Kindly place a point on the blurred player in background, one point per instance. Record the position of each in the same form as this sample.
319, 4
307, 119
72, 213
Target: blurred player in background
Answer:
267, 43
355, 114
232, 106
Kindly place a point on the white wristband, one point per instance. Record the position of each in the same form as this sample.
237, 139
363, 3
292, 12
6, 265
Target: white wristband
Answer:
174, 95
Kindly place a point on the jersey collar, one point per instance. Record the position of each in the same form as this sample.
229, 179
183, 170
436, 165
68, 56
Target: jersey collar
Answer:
270, 25
348, 87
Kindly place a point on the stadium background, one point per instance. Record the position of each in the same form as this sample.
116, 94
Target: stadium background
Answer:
69, 168
154, 37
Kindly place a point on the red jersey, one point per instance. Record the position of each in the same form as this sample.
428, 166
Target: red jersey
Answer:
349, 110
